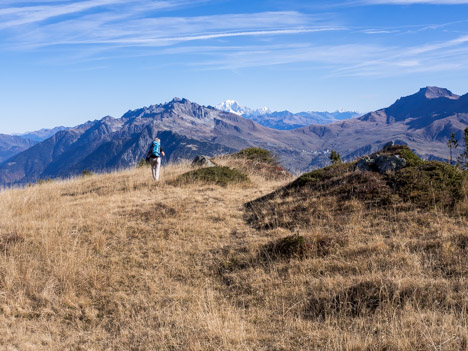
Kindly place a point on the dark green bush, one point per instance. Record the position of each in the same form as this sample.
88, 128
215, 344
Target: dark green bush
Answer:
142, 163
86, 173
320, 175
342, 188
335, 157
423, 183
411, 158
257, 154
430, 184
213, 175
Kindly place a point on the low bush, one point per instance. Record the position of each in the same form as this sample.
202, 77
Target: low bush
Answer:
367, 297
421, 184
299, 246
405, 152
430, 184
316, 178
257, 154
86, 173
142, 163
213, 175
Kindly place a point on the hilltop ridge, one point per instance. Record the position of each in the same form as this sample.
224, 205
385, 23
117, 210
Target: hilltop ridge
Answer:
117, 261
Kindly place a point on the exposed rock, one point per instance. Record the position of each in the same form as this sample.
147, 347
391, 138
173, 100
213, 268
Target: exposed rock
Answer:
381, 163
365, 164
388, 145
202, 161
392, 163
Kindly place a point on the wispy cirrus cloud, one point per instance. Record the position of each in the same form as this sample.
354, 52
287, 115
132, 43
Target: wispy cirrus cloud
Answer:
356, 60
352, 3
434, 57
104, 29
132, 27
15, 16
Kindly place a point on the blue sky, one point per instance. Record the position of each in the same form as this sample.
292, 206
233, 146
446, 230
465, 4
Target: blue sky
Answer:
63, 62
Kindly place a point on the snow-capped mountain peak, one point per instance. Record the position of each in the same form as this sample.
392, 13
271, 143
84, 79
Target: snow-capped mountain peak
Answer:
285, 119
234, 107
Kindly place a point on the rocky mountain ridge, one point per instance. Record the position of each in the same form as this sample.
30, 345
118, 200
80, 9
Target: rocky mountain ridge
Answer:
423, 121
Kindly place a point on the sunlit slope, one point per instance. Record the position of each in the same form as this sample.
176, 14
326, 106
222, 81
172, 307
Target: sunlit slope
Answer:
118, 262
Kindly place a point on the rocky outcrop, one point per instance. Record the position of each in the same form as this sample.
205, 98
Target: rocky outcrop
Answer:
381, 163
202, 161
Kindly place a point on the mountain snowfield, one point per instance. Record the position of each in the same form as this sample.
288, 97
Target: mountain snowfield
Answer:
234, 107
285, 120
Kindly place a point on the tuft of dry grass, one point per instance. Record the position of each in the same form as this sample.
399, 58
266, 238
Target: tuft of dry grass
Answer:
120, 262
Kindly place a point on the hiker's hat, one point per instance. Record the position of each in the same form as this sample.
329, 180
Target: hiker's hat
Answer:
157, 139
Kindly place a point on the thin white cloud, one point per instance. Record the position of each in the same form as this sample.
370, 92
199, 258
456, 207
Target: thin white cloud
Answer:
16, 16
166, 41
350, 60
379, 31
23, 15
96, 30
128, 29
328, 55
449, 55
438, 46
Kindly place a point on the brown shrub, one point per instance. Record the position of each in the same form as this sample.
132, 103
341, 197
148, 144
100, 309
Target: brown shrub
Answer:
367, 297
8, 240
299, 246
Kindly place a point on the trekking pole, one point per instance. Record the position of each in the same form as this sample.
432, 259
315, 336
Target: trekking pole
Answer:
163, 171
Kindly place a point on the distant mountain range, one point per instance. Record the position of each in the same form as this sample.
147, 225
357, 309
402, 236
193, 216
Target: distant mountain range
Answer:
285, 120
11, 145
423, 121
42, 134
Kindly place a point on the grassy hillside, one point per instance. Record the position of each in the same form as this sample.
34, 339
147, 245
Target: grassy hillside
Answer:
118, 262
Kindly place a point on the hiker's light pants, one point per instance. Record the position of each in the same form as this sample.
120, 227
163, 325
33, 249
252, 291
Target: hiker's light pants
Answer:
155, 166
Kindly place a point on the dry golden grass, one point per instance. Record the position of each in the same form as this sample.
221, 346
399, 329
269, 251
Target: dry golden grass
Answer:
118, 262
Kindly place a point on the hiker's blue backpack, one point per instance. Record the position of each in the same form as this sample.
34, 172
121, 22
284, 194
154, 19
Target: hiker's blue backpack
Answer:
156, 149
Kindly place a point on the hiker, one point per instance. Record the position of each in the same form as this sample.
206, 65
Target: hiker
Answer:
154, 157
